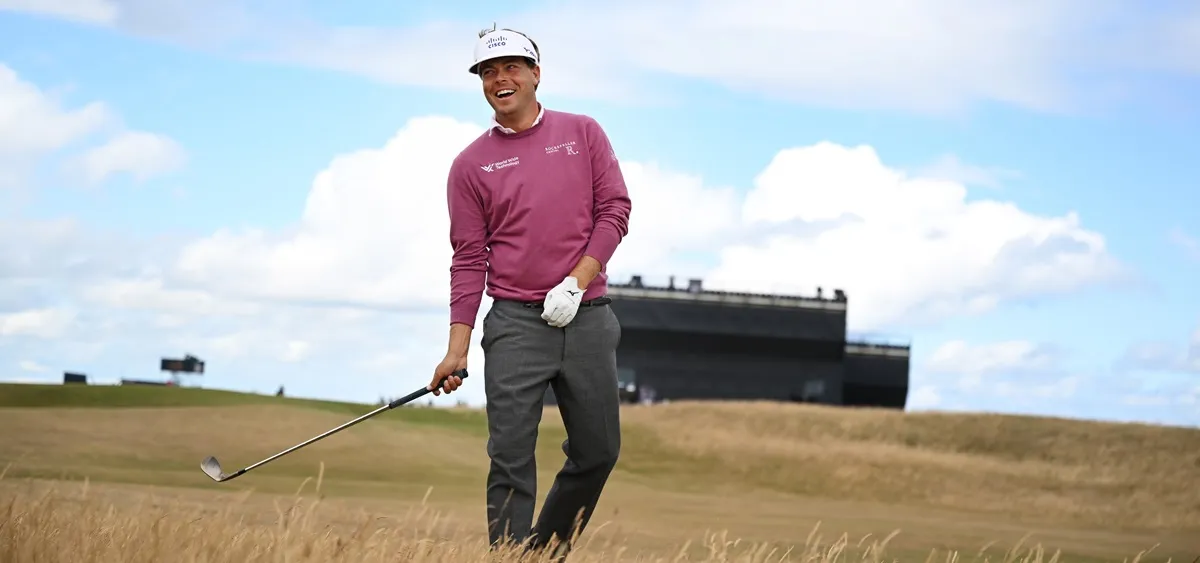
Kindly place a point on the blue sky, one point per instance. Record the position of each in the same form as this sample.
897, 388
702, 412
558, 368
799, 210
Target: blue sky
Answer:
250, 185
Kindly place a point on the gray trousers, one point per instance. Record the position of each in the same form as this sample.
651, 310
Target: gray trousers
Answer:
522, 356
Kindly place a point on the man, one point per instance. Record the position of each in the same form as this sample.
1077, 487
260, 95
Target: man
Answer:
538, 206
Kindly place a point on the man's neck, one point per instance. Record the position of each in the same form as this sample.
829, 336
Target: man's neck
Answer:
522, 120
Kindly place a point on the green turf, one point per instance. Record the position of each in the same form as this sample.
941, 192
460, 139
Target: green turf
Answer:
134, 396
125, 396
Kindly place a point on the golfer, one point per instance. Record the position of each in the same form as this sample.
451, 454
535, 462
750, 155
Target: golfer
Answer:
538, 206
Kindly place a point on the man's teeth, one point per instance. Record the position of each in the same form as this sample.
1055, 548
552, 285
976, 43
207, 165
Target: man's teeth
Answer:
503, 93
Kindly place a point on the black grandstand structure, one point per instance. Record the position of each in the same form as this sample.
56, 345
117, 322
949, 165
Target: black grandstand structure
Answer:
689, 343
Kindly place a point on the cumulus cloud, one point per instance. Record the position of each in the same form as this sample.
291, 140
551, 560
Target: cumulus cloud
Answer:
372, 231
40, 323
924, 397
905, 249
372, 234
972, 363
35, 123
959, 356
950, 167
140, 154
922, 55
1020, 376
1001, 376
32, 366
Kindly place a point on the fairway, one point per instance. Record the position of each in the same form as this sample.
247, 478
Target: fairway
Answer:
112, 474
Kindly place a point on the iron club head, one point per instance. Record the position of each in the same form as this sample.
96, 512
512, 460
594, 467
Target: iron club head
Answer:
212, 468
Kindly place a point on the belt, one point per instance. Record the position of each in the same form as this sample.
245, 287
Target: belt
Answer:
595, 302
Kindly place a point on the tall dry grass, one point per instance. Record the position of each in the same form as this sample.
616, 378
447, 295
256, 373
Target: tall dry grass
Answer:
1029, 468
761, 471
65, 522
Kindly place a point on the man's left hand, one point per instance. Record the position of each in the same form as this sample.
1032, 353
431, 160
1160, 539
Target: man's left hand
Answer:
562, 302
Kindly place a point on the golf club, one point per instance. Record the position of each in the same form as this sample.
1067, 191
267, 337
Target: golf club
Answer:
212, 467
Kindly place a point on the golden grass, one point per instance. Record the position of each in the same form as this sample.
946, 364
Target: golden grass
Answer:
56, 523
1054, 470
691, 476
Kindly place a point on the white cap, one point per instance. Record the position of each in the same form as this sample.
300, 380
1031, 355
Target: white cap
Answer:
498, 43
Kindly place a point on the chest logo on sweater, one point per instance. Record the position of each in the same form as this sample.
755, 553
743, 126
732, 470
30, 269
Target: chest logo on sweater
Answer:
568, 147
501, 164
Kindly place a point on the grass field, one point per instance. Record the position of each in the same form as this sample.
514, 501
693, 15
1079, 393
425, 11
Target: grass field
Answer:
111, 474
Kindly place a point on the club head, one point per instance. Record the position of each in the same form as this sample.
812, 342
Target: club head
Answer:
212, 468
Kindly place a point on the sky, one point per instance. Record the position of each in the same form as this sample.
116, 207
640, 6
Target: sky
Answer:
1013, 186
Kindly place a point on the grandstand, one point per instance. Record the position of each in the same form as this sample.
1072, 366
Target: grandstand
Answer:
690, 343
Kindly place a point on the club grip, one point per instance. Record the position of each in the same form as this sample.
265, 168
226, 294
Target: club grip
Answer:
462, 373
422, 391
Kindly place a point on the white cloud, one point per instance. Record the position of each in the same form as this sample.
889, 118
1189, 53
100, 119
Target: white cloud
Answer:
32, 366
373, 228
922, 55
1020, 377
140, 154
950, 167
971, 364
1023, 377
924, 397
904, 249
372, 234
927, 55
39, 323
147, 293
34, 123
372, 231
180, 21
959, 356
1159, 356
675, 216
295, 351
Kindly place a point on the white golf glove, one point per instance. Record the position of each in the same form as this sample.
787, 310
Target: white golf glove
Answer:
562, 302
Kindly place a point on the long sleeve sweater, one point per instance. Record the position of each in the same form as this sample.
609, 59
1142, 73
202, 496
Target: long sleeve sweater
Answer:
526, 207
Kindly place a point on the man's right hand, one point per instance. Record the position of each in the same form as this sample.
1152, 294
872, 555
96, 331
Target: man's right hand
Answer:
442, 374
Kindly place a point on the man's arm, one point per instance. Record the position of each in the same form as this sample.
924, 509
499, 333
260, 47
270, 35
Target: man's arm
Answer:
611, 206
468, 267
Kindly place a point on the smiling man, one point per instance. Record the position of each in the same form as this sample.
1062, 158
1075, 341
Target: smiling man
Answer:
538, 206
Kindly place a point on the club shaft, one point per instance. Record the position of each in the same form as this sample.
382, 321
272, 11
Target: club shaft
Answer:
396, 403
319, 437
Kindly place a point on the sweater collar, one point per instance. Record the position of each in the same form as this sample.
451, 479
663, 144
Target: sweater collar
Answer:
507, 131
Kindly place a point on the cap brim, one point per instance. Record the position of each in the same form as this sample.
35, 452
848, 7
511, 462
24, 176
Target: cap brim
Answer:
474, 69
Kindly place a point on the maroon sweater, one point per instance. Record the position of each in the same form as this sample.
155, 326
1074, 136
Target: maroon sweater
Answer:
525, 207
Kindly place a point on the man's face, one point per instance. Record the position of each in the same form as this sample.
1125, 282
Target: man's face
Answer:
508, 83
